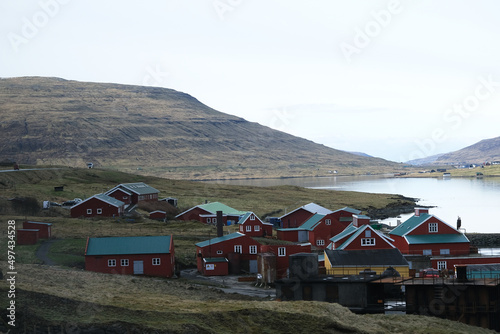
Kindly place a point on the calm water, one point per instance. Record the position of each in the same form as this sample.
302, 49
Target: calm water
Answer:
476, 201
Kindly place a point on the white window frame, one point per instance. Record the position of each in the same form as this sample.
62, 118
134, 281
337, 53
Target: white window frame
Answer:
156, 261
124, 262
328, 222
433, 227
238, 249
214, 220
89, 211
281, 251
248, 228
209, 220
111, 262
367, 241
99, 211
256, 228
219, 252
252, 217
252, 249
320, 242
441, 265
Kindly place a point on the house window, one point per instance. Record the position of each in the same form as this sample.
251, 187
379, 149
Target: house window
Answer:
209, 220
256, 228
125, 197
214, 220
219, 252
89, 211
249, 228
427, 252
112, 263
241, 228
252, 217
124, 262
441, 265
156, 261
368, 233
253, 249
320, 242
368, 242
433, 227
444, 252
328, 222
99, 211
281, 251
238, 249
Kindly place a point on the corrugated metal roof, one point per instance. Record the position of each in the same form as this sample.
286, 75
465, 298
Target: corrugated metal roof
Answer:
129, 245
215, 259
39, 223
360, 231
216, 206
410, 224
436, 239
347, 231
140, 188
348, 209
108, 199
219, 239
312, 208
373, 257
311, 223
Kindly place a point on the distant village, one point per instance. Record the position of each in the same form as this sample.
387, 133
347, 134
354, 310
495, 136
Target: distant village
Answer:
310, 253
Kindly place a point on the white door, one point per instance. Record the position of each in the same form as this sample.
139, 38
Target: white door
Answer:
138, 267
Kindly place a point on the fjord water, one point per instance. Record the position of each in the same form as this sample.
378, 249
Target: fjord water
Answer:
476, 201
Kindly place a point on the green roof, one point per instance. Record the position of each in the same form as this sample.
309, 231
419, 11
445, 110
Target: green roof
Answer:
219, 239
410, 224
140, 188
311, 223
436, 239
226, 210
347, 231
129, 245
215, 259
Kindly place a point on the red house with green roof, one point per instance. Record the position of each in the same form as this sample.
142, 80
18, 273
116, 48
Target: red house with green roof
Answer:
426, 234
363, 237
252, 226
207, 213
150, 255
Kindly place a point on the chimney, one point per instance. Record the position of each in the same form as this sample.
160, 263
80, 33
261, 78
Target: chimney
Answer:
360, 220
419, 211
220, 231
459, 223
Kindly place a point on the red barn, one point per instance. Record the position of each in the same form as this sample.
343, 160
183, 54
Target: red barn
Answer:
151, 256
98, 206
240, 250
425, 234
282, 254
158, 215
27, 236
45, 229
207, 213
133, 193
252, 226
298, 216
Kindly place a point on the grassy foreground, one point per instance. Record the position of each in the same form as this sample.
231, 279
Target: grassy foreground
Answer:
56, 297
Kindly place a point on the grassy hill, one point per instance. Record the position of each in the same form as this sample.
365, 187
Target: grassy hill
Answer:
485, 150
153, 131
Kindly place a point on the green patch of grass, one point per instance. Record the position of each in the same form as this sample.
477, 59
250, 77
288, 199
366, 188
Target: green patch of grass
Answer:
26, 254
68, 252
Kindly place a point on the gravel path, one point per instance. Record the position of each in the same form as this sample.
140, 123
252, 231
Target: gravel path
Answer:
43, 251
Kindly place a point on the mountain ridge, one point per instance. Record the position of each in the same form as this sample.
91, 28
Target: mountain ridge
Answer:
152, 130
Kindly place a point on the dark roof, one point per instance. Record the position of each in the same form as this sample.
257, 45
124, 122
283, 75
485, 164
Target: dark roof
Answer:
373, 257
129, 245
215, 259
40, 223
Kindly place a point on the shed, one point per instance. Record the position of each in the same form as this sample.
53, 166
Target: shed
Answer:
158, 215
27, 236
150, 255
216, 266
44, 228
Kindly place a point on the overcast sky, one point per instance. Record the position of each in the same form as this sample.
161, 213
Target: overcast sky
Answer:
394, 79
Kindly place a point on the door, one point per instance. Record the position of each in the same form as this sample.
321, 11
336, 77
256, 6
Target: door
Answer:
253, 266
138, 267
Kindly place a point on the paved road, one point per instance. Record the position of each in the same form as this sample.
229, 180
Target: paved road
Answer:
230, 284
43, 251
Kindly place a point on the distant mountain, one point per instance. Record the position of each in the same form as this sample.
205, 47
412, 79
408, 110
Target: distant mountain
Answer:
425, 161
152, 131
485, 150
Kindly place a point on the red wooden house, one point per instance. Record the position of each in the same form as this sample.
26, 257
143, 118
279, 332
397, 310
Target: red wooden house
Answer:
151, 255
445, 262
45, 229
27, 236
239, 249
98, 206
425, 234
300, 215
207, 213
252, 226
361, 238
158, 215
341, 218
134, 193
282, 254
